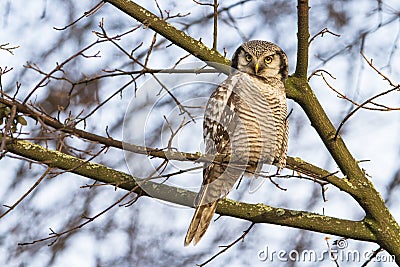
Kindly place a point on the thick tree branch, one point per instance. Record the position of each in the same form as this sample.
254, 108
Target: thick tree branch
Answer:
378, 215
257, 213
295, 164
302, 39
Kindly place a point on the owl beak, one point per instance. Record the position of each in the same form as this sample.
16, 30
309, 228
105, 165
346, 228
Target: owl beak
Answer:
256, 68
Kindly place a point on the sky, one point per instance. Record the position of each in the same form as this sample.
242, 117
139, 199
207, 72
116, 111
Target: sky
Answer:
136, 116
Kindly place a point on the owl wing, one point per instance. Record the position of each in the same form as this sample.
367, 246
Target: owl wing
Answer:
220, 121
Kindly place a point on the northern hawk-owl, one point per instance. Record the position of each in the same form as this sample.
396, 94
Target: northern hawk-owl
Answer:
245, 119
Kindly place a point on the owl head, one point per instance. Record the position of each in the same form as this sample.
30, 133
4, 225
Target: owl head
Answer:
261, 58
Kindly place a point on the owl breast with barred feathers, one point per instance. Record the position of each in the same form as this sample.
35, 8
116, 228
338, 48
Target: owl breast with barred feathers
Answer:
246, 119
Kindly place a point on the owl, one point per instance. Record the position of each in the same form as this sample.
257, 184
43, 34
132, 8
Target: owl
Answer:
246, 120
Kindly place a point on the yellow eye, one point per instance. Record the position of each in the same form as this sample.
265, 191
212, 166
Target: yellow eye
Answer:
248, 57
268, 59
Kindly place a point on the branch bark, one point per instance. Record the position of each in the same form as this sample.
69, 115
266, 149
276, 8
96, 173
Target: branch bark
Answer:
302, 39
257, 213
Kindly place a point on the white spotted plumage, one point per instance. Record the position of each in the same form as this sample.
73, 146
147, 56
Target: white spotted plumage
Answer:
246, 119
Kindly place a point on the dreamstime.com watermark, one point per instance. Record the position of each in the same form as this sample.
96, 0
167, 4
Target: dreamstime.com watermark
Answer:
339, 254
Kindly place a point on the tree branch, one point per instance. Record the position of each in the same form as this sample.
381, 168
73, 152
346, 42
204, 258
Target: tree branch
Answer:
295, 164
302, 39
257, 213
378, 215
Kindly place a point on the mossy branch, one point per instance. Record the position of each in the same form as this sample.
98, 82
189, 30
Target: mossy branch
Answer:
378, 215
257, 213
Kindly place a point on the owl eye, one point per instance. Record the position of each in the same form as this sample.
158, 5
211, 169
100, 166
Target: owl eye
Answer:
268, 59
248, 57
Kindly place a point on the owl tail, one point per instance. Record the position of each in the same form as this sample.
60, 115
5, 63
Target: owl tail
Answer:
200, 222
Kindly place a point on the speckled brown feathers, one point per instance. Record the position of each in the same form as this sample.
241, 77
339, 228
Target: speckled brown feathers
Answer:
245, 118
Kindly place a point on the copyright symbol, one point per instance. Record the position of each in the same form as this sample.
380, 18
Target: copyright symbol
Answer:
341, 243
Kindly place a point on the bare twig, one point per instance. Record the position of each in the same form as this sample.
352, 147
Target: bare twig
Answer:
332, 255
215, 32
10, 208
341, 95
369, 100
59, 67
241, 238
373, 256
181, 107
118, 72
122, 88
159, 9
386, 78
55, 236
85, 14
316, 73
8, 49
173, 132
153, 41
180, 60
178, 37
322, 32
